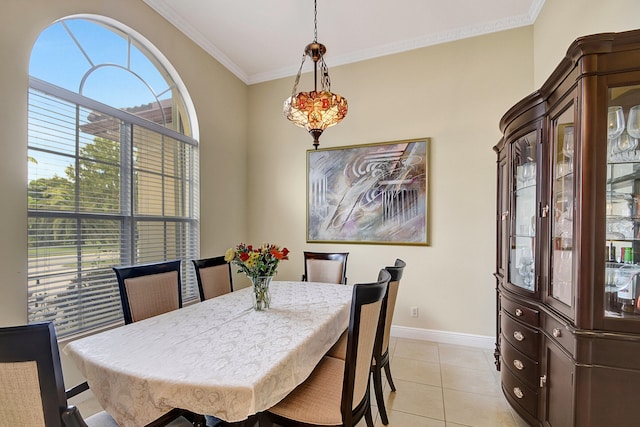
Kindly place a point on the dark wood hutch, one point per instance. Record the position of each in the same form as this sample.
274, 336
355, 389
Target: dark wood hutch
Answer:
568, 241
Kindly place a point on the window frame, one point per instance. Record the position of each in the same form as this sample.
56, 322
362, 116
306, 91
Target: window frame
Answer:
188, 225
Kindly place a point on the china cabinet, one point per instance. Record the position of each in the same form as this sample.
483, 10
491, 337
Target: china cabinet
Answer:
568, 240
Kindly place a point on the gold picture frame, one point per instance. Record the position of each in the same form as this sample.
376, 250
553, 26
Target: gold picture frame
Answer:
372, 193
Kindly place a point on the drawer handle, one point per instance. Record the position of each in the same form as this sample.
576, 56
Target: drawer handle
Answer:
518, 335
518, 364
556, 332
519, 312
505, 214
519, 394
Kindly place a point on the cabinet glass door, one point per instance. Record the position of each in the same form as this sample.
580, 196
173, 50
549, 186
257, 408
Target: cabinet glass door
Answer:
622, 268
562, 207
522, 265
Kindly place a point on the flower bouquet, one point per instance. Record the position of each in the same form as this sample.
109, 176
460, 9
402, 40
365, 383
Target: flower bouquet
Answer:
260, 265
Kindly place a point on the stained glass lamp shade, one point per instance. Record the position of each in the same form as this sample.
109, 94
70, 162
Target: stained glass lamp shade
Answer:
318, 109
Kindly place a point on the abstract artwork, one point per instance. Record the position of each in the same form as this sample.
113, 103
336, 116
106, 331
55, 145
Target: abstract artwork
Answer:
374, 193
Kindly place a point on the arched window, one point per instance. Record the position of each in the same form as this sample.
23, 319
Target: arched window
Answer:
112, 169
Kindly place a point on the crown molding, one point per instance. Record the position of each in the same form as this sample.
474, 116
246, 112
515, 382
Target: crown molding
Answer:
417, 43
534, 10
174, 18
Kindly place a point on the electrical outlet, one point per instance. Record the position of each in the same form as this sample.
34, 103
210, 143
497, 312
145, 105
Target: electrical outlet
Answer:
414, 311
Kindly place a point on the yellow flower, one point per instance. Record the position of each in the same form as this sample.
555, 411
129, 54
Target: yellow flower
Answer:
229, 255
253, 259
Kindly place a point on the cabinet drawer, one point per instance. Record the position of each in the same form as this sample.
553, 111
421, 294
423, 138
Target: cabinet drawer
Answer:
523, 338
522, 366
560, 333
517, 391
519, 311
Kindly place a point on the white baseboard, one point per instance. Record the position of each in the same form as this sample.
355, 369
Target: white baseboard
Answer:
469, 340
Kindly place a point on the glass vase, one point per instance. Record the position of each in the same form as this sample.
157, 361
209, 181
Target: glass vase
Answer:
260, 294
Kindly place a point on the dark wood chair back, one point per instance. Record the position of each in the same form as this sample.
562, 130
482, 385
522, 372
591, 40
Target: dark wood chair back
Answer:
381, 350
31, 376
214, 277
149, 289
395, 272
325, 267
366, 309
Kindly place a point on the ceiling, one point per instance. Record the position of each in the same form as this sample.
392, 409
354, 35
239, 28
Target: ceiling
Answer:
262, 40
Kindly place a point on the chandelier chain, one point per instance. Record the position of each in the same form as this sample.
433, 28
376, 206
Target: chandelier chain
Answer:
295, 85
324, 71
315, 21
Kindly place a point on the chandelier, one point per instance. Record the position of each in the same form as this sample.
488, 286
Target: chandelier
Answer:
316, 110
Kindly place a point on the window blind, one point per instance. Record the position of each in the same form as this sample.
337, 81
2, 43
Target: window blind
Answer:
104, 189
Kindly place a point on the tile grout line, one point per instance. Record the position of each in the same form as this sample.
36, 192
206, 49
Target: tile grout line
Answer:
444, 408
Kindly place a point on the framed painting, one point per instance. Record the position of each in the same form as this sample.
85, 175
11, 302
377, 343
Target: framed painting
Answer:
373, 193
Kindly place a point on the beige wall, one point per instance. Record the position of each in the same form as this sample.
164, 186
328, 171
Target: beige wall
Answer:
219, 97
562, 21
453, 93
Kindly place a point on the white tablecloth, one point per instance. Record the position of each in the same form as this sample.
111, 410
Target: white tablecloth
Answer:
218, 357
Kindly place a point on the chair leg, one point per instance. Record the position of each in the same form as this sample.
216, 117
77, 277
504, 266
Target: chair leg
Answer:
368, 417
377, 387
387, 371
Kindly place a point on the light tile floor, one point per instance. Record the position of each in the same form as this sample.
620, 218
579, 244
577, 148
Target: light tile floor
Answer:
443, 385
437, 385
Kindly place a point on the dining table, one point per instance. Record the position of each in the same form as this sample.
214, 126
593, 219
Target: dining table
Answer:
218, 357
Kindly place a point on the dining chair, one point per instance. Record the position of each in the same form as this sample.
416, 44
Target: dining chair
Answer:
147, 290
214, 277
381, 350
31, 382
337, 391
325, 267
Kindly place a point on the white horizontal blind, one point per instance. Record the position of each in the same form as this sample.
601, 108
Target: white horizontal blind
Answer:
103, 191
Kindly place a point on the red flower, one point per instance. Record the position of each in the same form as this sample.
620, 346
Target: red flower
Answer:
244, 256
